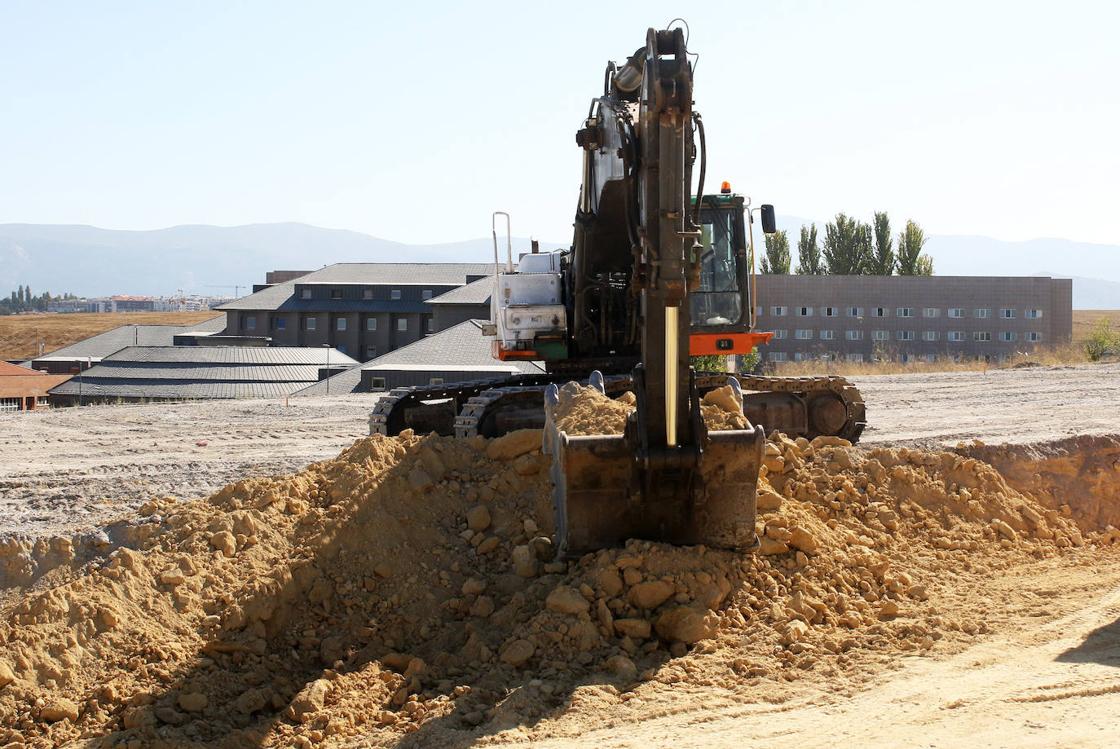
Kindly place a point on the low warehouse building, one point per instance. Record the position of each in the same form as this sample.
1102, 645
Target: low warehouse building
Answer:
138, 374
23, 389
89, 351
458, 354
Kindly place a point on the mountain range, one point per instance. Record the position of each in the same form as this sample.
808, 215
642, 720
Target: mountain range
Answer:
211, 260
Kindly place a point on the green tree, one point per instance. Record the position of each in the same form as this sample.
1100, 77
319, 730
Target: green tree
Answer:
847, 247
882, 261
910, 257
777, 258
809, 253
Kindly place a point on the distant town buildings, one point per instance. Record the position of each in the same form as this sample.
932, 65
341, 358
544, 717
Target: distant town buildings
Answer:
135, 303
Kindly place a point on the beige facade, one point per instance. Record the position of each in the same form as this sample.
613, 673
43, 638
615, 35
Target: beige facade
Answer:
910, 318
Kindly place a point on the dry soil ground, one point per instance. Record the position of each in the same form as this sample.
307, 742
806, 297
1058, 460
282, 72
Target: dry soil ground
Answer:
20, 335
1043, 670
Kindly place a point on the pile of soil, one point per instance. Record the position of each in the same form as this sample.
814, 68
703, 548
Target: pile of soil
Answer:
584, 410
408, 589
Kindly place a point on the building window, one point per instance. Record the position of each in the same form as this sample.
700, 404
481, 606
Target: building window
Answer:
931, 312
1033, 314
799, 356
340, 324
981, 335
367, 293
371, 352
955, 335
983, 314
336, 293
250, 323
855, 311
880, 335
803, 334
305, 294
377, 383
881, 312
1034, 337
1007, 314
427, 294
371, 324
905, 335
309, 323
779, 334
430, 325
930, 335
402, 324
830, 312
956, 312
778, 311
395, 295
776, 355
904, 312
804, 311
828, 335
854, 335
1007, 336
854, 357
435, 380
281, 323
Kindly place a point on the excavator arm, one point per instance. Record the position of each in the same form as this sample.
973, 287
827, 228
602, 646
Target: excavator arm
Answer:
666, 477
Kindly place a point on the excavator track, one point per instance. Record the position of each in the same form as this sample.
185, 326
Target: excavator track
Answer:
806, 406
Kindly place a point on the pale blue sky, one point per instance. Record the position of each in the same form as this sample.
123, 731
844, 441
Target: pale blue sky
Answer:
414, 122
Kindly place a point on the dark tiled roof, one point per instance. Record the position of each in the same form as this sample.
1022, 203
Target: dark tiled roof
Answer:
402, 274
192, 372
103, 344
240, 355
476, 292
460, 348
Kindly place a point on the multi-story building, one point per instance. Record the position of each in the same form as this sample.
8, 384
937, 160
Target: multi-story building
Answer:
911, 318
362, 309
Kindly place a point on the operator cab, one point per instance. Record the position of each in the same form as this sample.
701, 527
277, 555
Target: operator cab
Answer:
722, 304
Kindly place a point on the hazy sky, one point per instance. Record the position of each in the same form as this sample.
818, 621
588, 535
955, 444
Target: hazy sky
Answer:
414, 122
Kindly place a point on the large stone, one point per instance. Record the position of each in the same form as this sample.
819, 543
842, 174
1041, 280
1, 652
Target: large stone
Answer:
7, 675
512, 445
193, 702
433, 463
224, 542
310, 699
770, 547
567, 600
804, 540
622, 667
610, 582
637, 629
651, 594
518, 653
769, 500
478, 518
524, 562
59, 709
687, 624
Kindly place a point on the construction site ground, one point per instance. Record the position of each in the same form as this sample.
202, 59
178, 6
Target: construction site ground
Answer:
1033, 658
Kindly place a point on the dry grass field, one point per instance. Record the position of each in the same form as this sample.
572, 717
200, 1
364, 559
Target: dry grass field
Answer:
1084, 320
20, 335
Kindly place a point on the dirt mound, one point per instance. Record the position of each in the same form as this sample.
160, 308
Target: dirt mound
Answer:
584, 410
408, 588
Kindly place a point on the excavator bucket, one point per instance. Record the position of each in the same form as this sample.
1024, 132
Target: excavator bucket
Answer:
601, 497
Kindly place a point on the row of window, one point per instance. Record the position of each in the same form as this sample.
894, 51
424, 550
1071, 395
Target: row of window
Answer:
907, 335
1005, 313
311, 323
367, 293
781, 356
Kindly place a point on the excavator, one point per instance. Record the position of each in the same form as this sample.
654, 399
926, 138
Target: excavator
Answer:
655, 276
